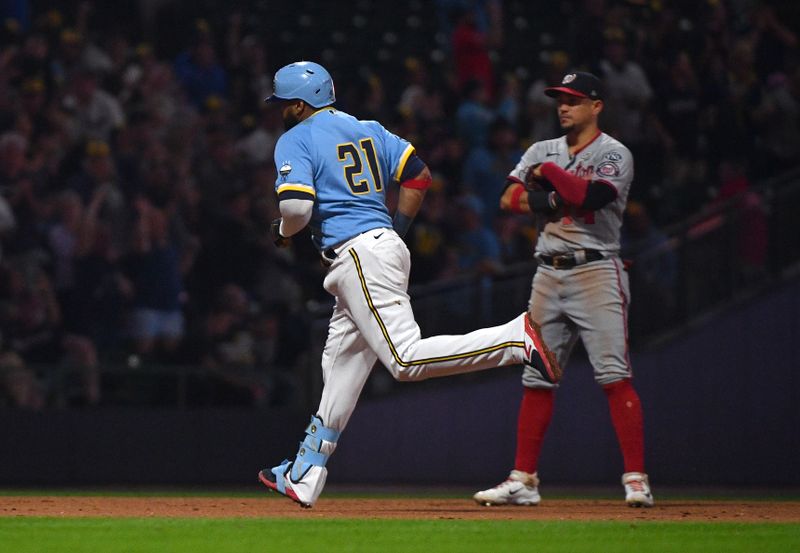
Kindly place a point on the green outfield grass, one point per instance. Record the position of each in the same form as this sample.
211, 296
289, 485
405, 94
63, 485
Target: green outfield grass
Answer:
39, 535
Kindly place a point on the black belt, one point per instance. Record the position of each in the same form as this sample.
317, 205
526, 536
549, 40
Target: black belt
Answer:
569, 260
328, 257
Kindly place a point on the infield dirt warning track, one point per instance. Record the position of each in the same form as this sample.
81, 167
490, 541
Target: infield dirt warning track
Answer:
375, 508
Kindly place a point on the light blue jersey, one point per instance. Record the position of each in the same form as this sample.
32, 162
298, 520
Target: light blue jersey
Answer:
344, 165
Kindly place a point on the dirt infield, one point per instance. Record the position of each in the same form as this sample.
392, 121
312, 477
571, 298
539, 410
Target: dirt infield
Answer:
430, 509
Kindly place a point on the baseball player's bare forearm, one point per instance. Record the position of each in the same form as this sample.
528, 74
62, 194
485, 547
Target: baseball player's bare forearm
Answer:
515, 199
412, 192
411, 196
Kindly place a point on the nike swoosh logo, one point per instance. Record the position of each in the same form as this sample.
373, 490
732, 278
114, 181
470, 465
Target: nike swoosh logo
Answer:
550, 154
513, 492
377, 236
528, 350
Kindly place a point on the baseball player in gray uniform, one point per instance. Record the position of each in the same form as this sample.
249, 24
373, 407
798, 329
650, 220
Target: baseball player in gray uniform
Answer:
577, 186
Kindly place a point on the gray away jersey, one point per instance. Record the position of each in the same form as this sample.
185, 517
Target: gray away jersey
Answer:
604, 159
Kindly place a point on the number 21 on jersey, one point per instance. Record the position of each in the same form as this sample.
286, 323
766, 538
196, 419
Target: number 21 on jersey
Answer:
354, 158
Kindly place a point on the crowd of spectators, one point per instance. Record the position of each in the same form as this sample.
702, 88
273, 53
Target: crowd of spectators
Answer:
136, 171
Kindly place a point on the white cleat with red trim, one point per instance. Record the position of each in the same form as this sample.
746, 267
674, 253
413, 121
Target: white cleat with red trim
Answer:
520, 488
637, 489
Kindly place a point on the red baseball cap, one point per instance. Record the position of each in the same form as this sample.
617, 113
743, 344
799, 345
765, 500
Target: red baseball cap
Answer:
578, 83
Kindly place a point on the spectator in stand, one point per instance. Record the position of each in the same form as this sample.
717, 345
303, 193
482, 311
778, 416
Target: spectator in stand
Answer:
515, 235
227, 340
628, 90
67, 57
198, 70
447, 156
102, 293
540, 107
225, 344
97, 170
237, 248
474, 116
470, 52
89, 285
251, 82
678, 108
33, 102
13, 169
773, 40
22, 189
421, 98
219, 172
33, 61
417, 80
778, 121
155, 266
731, 94
7, 224
63, 244
751, 220
628, 114
509, 100
256, 146
30, 319
429, 236
678, 118
486, 168
157, 95
477, 246
19, 385
94, 113
584, 29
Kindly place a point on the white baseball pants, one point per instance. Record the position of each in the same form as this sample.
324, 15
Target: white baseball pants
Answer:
372, 319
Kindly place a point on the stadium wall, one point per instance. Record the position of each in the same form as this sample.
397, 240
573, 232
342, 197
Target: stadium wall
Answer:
722, 407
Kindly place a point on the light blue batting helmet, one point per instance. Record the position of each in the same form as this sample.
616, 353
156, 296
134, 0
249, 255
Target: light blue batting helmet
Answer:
304, 80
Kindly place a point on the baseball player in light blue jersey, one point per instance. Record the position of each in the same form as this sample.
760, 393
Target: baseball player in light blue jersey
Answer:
333, 171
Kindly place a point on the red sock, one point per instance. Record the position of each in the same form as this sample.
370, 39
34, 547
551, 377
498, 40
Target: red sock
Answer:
534, 418
626, 416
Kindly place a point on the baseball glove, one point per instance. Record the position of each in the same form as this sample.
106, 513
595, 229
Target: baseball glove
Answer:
534, 182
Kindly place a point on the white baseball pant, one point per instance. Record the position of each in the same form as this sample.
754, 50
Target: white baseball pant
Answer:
372, 319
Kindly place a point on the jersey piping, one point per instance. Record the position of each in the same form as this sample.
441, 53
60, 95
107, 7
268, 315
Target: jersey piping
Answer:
582, 148
291, 187
624, 299
388, 339
403, 160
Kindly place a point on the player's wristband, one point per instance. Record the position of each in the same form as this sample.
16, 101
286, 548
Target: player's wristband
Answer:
416, 184
515, 206
401, 223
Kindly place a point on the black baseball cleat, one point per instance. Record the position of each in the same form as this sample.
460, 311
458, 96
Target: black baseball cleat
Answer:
537, 355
